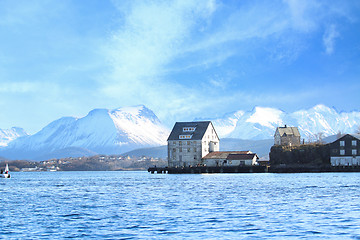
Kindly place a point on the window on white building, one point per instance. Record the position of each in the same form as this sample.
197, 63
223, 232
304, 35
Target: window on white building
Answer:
185, 136
354, 152
342, 143
189, 129
353, 143
342, 152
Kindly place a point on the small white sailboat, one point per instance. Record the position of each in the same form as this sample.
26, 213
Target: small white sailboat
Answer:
6, 173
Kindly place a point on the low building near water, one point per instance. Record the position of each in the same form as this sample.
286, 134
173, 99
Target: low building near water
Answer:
345, 151
230, 158
248, 159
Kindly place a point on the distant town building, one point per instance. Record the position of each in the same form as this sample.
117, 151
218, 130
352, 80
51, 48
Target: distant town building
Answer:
345, 151
287, 136
230, 158
189, 142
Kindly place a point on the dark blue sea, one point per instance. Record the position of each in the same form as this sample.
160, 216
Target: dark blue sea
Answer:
140, 205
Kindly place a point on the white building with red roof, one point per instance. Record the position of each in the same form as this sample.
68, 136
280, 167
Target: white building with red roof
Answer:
230, 158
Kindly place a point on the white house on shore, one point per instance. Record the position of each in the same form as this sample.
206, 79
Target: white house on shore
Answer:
230, 158
345, 151
189, 142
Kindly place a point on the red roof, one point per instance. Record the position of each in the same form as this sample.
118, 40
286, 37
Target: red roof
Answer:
241, 156
224, 154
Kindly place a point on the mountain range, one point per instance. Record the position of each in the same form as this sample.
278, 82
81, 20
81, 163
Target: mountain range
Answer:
261, 122
101, 131
8, 135
128, 129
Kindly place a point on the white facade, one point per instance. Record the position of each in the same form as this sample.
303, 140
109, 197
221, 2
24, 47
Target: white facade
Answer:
210, 141
189, 142
223, 162
183, 153
213, 162
228, 158
246, 162
345, 161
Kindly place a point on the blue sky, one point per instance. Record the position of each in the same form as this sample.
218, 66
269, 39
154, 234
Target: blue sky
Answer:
182, 59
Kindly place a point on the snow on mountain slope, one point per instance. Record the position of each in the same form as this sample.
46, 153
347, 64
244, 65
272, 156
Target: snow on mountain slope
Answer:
43, 138
8, 135
256, 124
227, 124
140, 125
322, 119
261, 123
101, 131
267, 117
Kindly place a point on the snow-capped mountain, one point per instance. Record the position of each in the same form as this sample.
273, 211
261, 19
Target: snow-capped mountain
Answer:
260, 123
101, 131
322, 119
8, 135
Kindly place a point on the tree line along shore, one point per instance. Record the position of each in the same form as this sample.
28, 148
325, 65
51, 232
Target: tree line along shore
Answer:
93, 163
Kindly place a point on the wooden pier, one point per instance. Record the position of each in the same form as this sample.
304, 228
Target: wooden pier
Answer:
251, 169
204, 169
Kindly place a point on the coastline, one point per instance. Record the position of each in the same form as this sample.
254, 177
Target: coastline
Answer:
250, 169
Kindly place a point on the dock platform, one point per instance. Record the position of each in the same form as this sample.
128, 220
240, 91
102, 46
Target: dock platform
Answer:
205, 169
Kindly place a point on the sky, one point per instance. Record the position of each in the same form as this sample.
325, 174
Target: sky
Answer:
182, 59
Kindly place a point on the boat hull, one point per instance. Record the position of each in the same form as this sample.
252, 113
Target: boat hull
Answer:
5, 175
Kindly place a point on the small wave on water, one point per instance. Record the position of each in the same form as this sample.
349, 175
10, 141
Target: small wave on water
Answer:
72, 216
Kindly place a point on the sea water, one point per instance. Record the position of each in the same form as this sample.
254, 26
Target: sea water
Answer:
140, 205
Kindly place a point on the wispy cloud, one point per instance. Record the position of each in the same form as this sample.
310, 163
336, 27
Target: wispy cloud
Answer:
152, 36
160, 40
20, 87
329, 39
303, 14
